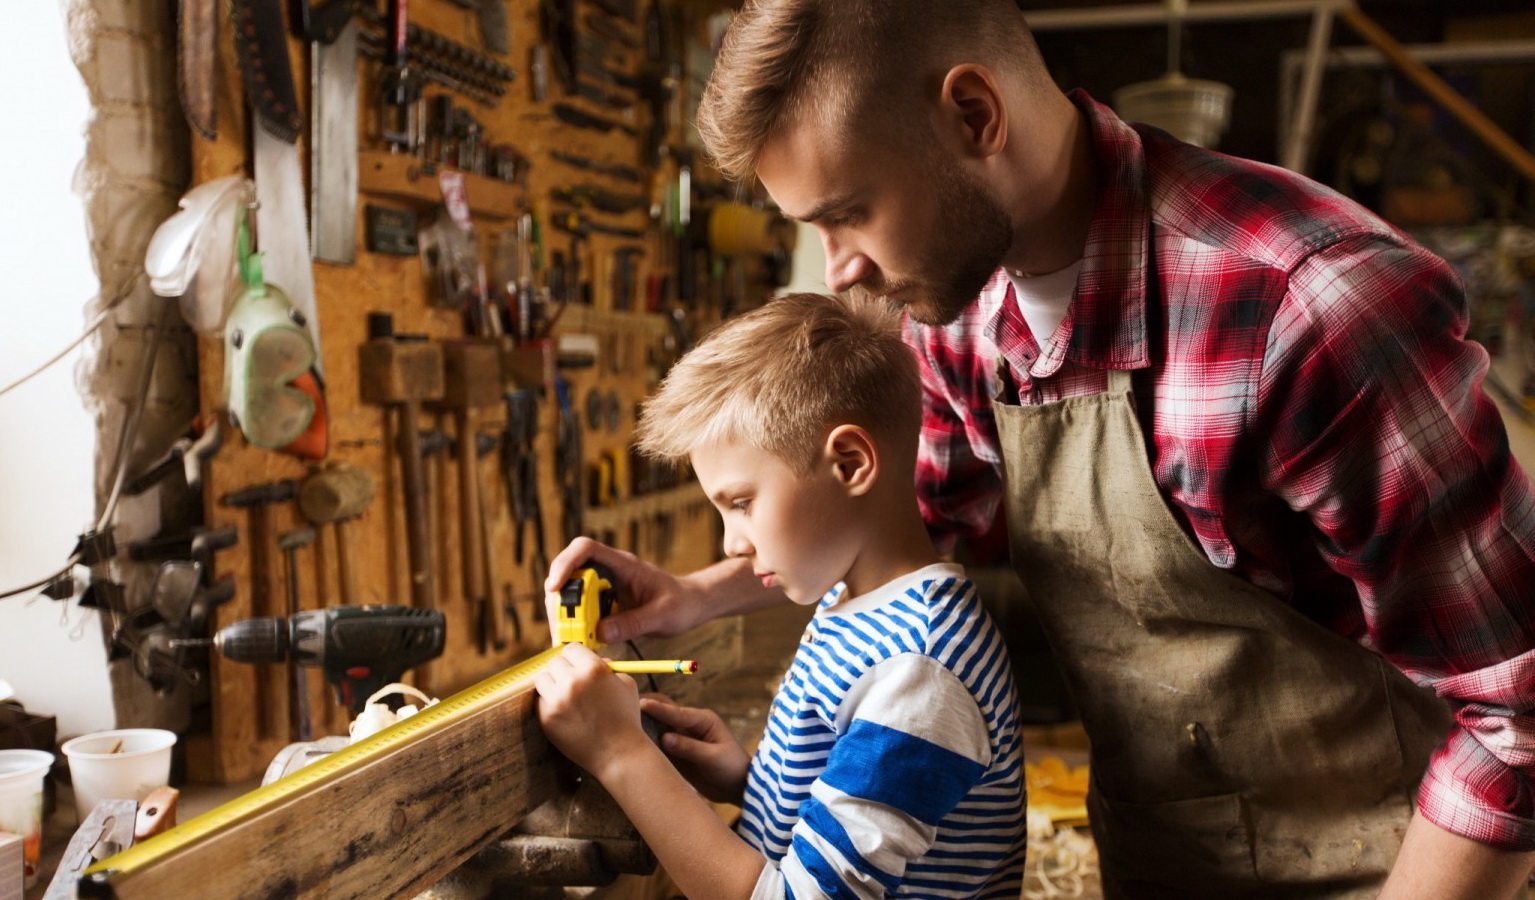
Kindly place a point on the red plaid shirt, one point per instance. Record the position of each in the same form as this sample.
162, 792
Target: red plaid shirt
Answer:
1316, 421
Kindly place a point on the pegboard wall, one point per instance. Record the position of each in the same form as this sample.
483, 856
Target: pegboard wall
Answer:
591, 216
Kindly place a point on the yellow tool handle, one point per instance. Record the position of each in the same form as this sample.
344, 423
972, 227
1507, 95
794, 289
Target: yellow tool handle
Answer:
654, 666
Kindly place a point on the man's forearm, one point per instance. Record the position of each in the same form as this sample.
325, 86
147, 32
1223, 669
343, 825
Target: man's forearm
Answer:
1437, 865
732, 589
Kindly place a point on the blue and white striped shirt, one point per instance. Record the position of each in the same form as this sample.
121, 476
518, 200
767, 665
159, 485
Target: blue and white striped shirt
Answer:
891, 765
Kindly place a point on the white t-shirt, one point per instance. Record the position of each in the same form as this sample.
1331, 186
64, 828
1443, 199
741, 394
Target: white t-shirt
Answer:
1043, 299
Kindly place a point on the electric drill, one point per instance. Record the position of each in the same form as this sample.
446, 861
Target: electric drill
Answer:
359, 648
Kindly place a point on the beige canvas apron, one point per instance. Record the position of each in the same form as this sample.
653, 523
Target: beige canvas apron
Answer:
1238, 748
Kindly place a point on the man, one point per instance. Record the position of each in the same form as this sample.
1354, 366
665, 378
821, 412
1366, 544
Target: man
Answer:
1251, 481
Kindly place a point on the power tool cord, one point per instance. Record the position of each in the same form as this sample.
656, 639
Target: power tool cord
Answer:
651, 678
89, 330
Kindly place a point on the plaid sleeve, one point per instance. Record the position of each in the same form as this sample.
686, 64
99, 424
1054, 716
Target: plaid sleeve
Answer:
959, 481
1383, 437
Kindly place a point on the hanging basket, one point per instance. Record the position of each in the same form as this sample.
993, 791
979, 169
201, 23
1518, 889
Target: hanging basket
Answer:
1189, 109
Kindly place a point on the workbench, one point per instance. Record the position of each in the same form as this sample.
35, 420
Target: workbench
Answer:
749, 657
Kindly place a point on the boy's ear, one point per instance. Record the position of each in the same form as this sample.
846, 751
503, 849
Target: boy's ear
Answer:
854, 458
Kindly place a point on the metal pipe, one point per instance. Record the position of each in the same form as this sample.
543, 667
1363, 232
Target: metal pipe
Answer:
1175, 12
1156, 13
1486, 52
1297, 145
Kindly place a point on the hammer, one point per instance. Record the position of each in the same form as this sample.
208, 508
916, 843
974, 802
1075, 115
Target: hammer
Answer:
403, 374
334, 496
472, 374
256, 500
435, 444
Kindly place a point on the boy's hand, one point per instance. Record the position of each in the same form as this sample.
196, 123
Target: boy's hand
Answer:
651, 601
589, 712
702, 747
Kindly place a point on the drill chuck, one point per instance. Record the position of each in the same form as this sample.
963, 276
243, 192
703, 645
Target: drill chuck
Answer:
262, 640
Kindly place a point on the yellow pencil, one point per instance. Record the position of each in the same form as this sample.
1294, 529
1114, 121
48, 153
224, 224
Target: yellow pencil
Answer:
654, 666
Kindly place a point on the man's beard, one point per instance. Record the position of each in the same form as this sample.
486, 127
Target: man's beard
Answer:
973, 233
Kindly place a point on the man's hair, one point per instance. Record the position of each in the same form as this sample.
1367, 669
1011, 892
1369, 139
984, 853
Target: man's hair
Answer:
780, 377
851, 62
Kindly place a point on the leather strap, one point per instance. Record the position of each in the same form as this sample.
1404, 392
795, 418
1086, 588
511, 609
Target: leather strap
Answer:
261, 43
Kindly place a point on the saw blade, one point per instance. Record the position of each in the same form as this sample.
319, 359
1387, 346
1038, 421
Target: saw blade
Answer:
261, 43
333, 151
197, 38
283, 230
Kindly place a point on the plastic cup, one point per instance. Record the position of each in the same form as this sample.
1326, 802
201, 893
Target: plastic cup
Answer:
21, 803
141, 764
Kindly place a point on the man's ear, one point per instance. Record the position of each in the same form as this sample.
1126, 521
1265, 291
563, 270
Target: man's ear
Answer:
971, 112
851, 452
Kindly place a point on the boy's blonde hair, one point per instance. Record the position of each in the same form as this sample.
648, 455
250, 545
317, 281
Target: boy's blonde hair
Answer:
780, 377
853, 63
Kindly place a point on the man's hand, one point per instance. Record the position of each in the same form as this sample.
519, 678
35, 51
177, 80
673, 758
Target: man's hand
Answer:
651, 601
590, 713
702, 748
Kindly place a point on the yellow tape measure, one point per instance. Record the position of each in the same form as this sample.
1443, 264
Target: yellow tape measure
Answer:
324, 770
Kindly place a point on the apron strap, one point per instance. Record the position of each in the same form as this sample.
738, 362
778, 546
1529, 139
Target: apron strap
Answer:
1119, 381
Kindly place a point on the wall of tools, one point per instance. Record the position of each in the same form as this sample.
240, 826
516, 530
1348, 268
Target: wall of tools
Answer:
511, 240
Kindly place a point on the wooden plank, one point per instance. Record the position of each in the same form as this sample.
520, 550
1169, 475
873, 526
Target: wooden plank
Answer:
389, 827
411, 181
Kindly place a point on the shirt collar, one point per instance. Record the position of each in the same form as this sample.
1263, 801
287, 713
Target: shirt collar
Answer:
836, 602
1106, 325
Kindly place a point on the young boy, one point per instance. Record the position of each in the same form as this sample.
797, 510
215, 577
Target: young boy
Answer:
891, 764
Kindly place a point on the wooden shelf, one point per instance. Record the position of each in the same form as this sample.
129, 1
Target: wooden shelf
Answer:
413, 181
675, 500
588, 318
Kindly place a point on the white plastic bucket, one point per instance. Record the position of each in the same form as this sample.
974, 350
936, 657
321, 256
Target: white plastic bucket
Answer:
21, 803
141, 764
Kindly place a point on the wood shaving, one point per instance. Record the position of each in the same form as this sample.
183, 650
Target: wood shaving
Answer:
1062, 863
